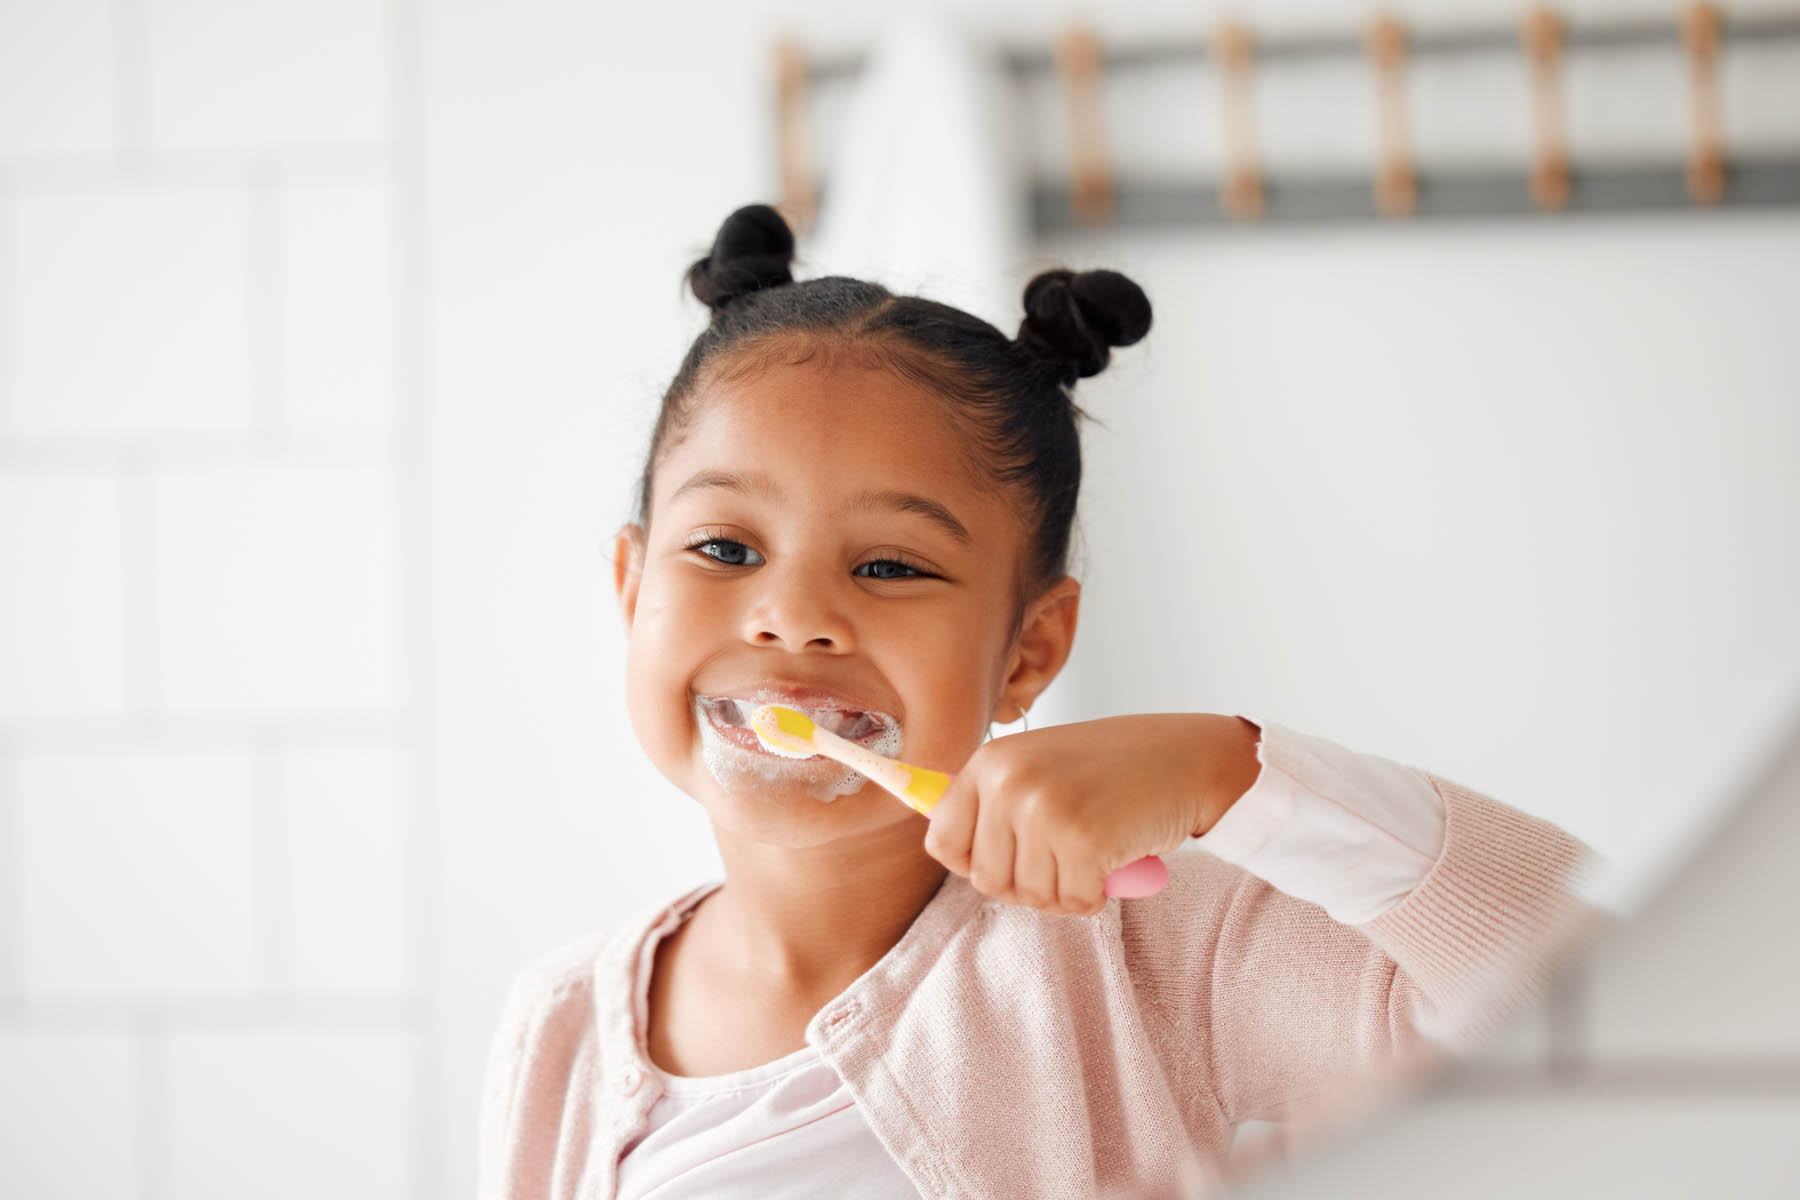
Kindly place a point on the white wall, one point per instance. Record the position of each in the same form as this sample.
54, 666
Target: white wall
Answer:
330, 337
1510, 502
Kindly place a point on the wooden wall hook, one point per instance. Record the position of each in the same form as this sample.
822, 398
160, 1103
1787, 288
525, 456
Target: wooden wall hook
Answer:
1396, 189
1706, 153
799, 203
1079, 61
1541, 31
1240, 181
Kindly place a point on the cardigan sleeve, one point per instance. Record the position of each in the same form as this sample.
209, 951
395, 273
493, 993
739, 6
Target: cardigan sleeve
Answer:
540, 1060
499, 1128
1376, 907
1352, 833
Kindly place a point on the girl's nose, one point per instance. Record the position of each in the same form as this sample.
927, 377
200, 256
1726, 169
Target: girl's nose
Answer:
798, 613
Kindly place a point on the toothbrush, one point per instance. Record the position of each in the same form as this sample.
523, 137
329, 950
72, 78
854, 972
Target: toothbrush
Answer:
793, 734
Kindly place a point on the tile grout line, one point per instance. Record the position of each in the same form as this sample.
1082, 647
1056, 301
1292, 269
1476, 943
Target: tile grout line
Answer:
12, 852
108, 734
150, 1036
143, 682
131, 71
9, 288
269, 813
175, 167
132, 120
205, 1012
195, 449
12, 869
408, 215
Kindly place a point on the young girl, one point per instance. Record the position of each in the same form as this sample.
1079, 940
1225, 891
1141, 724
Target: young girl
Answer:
858, 504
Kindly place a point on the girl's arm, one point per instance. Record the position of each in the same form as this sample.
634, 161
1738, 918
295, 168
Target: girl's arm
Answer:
1377, 907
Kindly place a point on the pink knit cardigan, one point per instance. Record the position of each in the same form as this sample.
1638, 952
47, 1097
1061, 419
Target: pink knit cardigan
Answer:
999, 1051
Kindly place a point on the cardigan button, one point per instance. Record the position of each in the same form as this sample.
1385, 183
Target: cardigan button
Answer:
628, 1080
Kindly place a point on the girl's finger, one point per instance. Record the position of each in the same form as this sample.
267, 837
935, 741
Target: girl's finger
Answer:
991, 865
1034, 868
950, 838
1080, 893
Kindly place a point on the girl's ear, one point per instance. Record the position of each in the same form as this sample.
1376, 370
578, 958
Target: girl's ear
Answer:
1043, 647
628, 569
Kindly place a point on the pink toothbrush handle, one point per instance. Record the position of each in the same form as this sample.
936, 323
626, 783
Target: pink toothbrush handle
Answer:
1145, 877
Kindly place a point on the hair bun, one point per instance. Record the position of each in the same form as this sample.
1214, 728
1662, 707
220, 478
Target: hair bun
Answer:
1073, 318
753, 250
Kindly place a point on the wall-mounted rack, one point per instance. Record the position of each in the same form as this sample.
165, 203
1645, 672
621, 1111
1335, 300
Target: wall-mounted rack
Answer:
1395, 187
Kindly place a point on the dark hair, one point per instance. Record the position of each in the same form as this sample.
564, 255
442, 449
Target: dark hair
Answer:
1011, 394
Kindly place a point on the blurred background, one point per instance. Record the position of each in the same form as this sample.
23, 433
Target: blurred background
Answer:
331, 335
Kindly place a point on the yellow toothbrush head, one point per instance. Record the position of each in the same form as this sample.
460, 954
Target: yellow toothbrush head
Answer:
784, 731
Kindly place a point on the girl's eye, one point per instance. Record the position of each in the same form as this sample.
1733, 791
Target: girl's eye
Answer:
889, 568
732, 554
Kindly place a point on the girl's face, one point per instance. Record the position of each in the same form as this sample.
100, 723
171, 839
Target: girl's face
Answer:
817, 541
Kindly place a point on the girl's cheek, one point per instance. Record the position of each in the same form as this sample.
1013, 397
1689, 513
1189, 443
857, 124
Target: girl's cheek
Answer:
662, 618
662, 725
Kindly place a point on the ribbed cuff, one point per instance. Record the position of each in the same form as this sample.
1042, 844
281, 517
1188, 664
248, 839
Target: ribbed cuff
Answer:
1492, 920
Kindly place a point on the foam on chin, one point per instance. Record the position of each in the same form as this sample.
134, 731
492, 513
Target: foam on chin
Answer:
737, 769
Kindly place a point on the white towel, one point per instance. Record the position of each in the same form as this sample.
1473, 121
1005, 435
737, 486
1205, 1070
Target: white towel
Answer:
927, 193
930, 195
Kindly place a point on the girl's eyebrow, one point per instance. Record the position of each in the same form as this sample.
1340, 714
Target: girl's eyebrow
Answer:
923, 506
748, 483
751, 483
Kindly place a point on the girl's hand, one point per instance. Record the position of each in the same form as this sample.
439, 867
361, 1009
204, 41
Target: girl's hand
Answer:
1041, 818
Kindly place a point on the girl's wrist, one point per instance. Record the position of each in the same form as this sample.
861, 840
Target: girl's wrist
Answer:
1230, 753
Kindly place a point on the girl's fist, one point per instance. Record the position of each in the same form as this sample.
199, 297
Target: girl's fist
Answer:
1041, 818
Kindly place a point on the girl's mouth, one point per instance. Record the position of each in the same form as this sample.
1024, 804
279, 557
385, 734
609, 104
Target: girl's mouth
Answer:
730, 718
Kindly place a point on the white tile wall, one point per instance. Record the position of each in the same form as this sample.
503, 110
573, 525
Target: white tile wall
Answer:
57, 75
338, 305
138, 873
69, 1106
64, 608
131, 303
270, 77
211, 840
290, 1114
345, 829
276, 590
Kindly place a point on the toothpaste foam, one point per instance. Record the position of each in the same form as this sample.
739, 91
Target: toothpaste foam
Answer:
737, 769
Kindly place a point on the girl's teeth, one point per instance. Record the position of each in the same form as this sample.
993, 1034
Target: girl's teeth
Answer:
852, 726
849, 725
